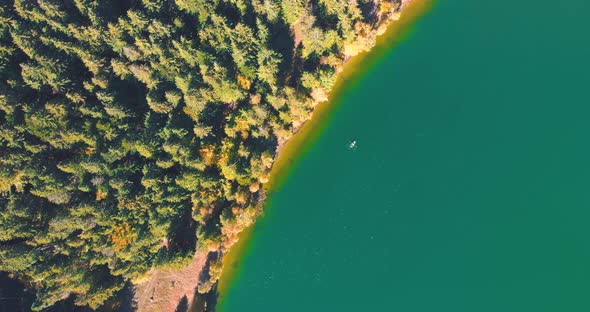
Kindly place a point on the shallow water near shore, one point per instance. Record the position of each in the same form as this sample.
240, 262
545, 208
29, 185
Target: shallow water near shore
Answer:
468, 188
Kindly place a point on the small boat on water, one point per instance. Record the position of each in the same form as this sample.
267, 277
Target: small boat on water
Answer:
352, 145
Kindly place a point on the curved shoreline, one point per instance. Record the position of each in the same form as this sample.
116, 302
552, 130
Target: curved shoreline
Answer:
353, 69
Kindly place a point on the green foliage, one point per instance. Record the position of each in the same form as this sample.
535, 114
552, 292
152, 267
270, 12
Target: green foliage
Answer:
293, 10
133, 134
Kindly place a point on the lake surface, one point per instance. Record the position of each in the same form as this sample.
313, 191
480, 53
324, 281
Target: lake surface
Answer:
469, 189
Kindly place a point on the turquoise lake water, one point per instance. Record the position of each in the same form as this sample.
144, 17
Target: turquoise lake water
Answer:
469, 189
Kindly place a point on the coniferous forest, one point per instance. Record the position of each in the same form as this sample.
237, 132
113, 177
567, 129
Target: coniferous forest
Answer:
135, 132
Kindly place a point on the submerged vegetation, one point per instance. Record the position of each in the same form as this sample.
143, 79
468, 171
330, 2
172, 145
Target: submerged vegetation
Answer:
134, 133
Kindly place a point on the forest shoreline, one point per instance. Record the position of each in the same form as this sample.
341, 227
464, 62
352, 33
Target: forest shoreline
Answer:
288, 151
292, 149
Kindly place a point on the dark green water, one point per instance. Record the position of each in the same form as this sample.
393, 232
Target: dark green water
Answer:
469, 189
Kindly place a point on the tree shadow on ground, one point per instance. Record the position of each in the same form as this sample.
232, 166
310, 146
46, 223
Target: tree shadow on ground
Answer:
204, 302
182, 305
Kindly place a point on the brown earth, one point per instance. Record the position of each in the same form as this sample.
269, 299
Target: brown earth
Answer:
165, 290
